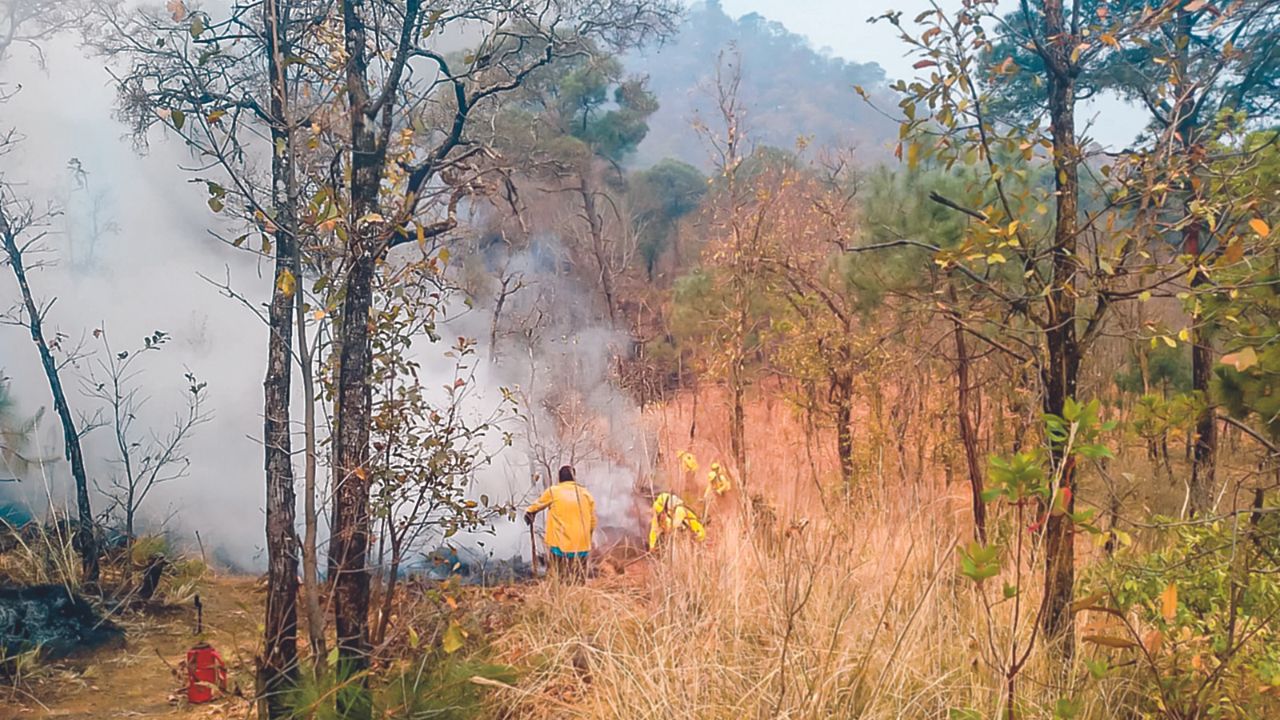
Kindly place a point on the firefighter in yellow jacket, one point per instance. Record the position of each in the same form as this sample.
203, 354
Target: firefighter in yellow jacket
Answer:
670, 515
571, 520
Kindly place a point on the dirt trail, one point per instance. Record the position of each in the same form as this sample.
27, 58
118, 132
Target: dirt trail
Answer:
139, 681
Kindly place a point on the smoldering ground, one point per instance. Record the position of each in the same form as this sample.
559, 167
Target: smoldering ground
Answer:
128, 241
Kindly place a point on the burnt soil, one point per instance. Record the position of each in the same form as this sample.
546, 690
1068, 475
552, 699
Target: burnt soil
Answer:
139, 679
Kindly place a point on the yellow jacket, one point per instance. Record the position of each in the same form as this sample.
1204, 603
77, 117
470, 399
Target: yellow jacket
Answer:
571, 519
669, 515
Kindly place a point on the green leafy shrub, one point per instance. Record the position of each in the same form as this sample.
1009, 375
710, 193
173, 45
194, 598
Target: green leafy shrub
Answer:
1197, 621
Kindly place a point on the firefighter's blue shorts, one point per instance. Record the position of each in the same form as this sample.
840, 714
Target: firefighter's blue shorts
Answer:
562, 554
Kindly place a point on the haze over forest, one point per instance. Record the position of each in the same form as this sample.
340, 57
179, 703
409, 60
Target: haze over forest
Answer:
528, 359
133, 228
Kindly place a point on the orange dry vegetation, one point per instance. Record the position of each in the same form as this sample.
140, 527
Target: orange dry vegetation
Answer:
811, 604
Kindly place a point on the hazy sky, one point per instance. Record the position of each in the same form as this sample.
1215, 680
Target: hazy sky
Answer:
842, 26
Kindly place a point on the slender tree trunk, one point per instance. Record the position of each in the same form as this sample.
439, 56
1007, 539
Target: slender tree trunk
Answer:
599, 248
968, 436
1204, 443
388, 600
693, 411
843, 387
1056, 620
280, 656
310, 520
1204, 453
335, 471
85, 539
504, 291
738, 420
349, 544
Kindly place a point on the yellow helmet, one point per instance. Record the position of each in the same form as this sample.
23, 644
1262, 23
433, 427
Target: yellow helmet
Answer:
666, 501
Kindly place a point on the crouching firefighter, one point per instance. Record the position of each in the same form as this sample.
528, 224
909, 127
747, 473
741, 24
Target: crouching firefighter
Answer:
571, 520
671, 515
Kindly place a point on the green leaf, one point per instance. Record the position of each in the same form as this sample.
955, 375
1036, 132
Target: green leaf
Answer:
453, 639
179, 118
332, 657
979, 562
1071, 410
1066, 709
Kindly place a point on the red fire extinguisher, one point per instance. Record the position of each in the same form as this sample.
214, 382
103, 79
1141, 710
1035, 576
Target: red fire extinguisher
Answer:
205, 671
205, 668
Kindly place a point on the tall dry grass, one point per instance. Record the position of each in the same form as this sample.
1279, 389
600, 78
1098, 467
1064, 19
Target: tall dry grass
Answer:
853, 615
826, 606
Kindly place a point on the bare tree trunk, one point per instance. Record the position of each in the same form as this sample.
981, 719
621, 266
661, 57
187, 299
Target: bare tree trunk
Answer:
1056, 621
388, 600
496, 323
1204, 453
693, 412
843, 387
738, 420
598, 247
85, 539
349, 544
1204, 443
310, 564
280, 656
968, 437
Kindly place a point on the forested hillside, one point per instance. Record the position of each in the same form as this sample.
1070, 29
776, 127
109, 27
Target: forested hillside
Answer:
792, 89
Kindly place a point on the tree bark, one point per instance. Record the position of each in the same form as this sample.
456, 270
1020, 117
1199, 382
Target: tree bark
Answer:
310, 564
968, 435
738, 420
280, 656
1204, 453
1204, 443
843, 390
1061, 372
598, 249
85, 539
388, 600
349, 543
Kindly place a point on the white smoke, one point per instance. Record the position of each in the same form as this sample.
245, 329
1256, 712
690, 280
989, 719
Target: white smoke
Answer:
142, 273
559, 359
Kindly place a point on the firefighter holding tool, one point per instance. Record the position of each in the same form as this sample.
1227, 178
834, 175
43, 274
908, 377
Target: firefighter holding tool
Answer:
670, 516
571, 520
